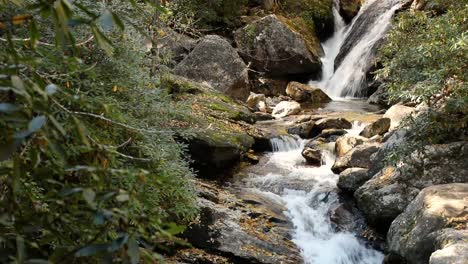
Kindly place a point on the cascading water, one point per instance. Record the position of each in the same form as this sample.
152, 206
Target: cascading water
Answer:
350, 52
309, 194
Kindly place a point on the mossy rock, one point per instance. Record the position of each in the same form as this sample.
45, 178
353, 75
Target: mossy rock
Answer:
307, 31
317, 14
221, 133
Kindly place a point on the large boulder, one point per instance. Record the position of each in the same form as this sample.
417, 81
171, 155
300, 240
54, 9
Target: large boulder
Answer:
383, 198
452, 245
379, 97
358, 157
214, 152
414, 233
379, 127
271, 46
397, 113
269, 86
305, 93
172, 47
330, 123
349, 9
255, 230
215, 62
353, 178
286, 108
387, 194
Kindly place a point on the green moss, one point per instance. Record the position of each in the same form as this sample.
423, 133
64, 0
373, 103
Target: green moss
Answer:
318, 14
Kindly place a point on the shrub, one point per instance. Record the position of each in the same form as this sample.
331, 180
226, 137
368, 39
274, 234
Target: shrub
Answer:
88, 165
424, 61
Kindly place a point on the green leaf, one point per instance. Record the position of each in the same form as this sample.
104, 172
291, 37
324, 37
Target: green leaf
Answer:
122, 197
20, 249
36, 123
89, 195
102, 41
37, 261
8, 108
133, 250
118, 243
99, 218
106, 20
17, 82
92, 250
118, 21
68, 192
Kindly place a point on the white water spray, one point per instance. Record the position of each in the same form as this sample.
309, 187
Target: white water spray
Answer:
348, 79
309, 205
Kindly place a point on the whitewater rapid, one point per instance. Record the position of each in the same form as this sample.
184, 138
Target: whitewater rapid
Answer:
309, 194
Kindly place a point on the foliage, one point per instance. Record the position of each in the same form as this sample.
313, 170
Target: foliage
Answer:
219, 15
317, 14
88, 164
424, 61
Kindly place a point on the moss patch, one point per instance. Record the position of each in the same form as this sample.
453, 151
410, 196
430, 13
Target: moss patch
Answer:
317, 14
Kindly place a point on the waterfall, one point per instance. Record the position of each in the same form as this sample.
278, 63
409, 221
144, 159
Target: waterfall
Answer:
349, 54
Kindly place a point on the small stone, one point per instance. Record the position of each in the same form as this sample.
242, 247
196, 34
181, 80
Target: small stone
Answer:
303, 130
286, 108
305, 93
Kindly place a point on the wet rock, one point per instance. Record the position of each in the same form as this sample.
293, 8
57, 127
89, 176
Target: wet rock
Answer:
245, 227
313, 150
387, 194
302, 93
397, 113
271, 46
330, 123
413, 233
261, 116
257, 102
254, 99
215, 62
172, 47
382, 198
286, 108
379, 127
353, 178
333, 123
312, 156
269, 86
349, 9
358, 157
303, 129
347, 142
332, 134
214, 152
379, 97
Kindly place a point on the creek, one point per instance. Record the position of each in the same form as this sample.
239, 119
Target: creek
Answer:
310, 193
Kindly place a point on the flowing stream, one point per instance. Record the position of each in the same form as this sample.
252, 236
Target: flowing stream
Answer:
309, 194
350, 52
